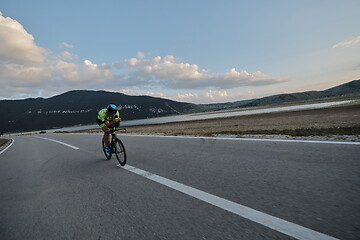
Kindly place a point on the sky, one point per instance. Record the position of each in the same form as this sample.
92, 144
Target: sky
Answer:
198, 51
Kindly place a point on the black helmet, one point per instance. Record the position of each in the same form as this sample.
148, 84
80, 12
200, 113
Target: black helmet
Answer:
111, 108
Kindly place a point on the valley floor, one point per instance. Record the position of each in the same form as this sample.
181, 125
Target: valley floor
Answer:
333, 123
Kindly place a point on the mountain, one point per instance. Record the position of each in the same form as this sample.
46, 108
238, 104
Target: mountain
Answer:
350, 89
81, 107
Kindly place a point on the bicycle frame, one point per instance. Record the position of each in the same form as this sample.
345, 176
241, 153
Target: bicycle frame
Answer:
112, 141
117, 147
113, 132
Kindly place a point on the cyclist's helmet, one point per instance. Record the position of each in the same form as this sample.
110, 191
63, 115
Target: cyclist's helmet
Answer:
111, 109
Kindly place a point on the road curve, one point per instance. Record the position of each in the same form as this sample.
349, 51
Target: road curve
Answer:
59, 186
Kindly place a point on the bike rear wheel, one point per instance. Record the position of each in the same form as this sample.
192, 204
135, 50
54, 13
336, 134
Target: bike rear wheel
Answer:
107, 154
120, 152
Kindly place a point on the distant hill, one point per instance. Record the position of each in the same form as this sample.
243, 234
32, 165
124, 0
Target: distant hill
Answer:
81, 107
349, 89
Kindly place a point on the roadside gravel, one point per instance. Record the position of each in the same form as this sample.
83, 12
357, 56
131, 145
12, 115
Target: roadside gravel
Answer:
343, 138
340, 123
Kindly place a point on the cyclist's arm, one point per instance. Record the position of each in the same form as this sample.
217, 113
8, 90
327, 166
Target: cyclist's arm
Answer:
109, 122
117, 117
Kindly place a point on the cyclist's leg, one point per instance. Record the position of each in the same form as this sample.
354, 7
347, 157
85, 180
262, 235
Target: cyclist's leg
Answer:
106, 136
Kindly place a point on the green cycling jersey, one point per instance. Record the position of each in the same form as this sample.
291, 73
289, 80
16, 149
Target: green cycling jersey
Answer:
103, 117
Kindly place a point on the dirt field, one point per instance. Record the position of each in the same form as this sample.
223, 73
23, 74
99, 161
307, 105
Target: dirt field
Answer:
343, 120
3, 143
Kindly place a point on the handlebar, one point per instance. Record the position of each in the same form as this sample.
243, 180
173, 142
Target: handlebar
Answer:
117, 129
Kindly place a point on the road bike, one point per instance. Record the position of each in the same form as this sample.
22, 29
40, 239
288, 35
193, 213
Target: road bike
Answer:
116, 145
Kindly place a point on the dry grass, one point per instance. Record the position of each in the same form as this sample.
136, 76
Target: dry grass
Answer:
342, 120
3, 142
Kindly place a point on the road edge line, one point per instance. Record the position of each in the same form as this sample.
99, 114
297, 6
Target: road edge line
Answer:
248, 139
65, 144
9, 145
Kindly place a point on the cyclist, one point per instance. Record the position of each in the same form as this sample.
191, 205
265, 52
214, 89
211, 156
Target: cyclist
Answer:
108, 117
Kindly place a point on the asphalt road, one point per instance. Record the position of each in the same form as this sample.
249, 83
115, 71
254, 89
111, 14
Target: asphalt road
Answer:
53, 191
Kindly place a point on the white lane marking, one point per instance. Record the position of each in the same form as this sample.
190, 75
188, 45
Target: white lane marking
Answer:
68, 145
249, 139
12, 141
277, 224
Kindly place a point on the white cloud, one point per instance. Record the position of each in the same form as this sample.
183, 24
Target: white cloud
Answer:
67, 71
169, 73
166, 68
141, 55
186, 97
67, 55
216, 96
117, 65
156, 94
347, 43
130, 91
27, 68
87, 73
15, 74
211, 96
18, 46
147, 93
89, 64
66, 45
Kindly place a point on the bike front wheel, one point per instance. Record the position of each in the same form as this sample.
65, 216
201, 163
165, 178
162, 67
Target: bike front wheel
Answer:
120, 152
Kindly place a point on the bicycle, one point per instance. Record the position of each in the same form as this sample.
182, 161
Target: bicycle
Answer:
116, 146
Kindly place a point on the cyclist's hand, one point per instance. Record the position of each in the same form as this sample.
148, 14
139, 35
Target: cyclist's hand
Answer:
108, 123
116, 121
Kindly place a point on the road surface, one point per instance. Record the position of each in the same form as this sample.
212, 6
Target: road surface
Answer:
59, 186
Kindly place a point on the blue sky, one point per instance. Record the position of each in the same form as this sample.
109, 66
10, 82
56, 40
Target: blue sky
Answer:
194, 51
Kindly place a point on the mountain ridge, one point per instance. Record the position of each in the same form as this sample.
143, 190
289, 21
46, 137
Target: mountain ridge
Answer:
81, 106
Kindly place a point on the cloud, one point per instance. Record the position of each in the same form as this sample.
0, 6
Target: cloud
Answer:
186, 97
87, 73
20, 75
170, 73
206, 97
67, 55
156, 94
211, 96
66, 45
141, 55
217, 96
25, 67
18, 46
117, 65
233, 79
147, 93
347, 43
